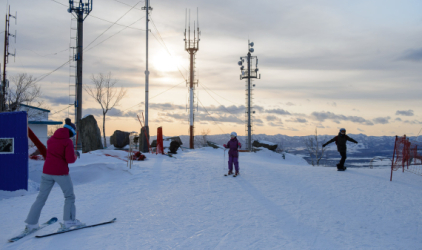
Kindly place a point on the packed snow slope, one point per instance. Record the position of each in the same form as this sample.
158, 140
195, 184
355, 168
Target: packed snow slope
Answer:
187, 203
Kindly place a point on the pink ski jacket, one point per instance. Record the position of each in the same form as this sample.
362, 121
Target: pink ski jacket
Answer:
60, 153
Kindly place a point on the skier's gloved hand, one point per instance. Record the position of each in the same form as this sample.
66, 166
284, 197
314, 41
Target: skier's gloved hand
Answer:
238, 144
224, 145
78, 154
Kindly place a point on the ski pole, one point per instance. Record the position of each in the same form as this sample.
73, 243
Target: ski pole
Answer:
224, 158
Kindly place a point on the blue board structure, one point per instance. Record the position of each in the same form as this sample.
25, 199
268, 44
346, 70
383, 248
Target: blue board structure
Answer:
13, 151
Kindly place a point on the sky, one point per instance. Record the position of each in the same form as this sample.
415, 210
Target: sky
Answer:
324, 64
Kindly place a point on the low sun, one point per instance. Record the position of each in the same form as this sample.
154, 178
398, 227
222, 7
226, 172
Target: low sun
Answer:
165, 63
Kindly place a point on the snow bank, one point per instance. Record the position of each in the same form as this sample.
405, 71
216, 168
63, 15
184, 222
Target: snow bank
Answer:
187, 203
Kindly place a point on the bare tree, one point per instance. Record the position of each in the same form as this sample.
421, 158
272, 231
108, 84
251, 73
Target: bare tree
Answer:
106, 94
204, 134
24, 89
315, 149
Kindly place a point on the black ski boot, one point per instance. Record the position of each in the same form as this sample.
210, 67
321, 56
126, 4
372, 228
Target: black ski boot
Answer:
236, 174
229, 173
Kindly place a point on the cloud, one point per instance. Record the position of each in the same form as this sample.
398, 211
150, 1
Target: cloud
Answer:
111, 113
271, 118
165, 106
413, 122
278, 111
322, 116
382, 120
398, 119
290, 104
333, 104
276, 124
414, 55
405, 112
298, 120
58, 100
361, 130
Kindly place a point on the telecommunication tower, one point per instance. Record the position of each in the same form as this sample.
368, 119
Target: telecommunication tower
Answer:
82, 11
192, 46
249, 73
5, 83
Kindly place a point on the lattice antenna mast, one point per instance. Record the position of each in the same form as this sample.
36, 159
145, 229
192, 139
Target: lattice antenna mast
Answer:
192, 46
82, 10
249, 73
5, 83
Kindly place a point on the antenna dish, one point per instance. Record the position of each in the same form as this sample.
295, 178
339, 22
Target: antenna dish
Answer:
251, 50
239, 63
69, 10
242, 68
251, 44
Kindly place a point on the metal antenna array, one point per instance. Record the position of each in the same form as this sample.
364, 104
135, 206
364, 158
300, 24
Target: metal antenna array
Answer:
5, 83
249, 73
82, 11
144, 137
192, 46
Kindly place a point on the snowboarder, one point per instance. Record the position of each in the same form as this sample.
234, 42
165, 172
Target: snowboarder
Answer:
60, 153
233, 145
340, 141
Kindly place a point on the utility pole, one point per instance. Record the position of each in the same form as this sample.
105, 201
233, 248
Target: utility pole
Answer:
192, 46
5, 83
250, 73
82, 11
144, 138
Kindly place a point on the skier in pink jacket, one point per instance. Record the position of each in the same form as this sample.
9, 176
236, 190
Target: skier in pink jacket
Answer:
60, 153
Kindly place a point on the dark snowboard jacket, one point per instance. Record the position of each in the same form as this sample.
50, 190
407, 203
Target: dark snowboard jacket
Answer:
340, 140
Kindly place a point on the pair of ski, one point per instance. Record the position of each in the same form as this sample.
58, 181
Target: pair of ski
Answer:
230, 174
52, 221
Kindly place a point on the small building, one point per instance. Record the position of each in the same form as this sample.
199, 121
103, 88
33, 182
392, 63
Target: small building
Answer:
38, 122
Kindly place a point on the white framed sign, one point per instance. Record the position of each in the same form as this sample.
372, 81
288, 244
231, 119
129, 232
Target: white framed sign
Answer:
7, 145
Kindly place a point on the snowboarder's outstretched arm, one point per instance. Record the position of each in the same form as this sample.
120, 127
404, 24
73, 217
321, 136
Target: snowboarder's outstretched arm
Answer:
350, 139
330, 141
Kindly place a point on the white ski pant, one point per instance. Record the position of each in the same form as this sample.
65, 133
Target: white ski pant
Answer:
47, 183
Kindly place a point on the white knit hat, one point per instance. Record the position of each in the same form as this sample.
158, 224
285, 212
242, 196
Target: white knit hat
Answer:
233, 134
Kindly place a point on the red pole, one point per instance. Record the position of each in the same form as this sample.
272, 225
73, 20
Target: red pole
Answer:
392, 162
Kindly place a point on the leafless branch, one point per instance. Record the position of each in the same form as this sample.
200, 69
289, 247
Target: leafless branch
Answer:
106, 94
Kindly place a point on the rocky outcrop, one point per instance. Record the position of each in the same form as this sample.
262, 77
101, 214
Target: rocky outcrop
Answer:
90, 134
264, 144
120, 139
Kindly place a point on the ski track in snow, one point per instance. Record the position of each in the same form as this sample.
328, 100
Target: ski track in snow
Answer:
187, 203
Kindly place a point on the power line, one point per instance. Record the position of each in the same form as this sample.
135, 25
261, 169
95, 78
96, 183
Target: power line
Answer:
127, 26
211, 116
113, 34
217, 101
47, 74
112, 25
168, 51
61, 110
155, 95
128, 4
205, 86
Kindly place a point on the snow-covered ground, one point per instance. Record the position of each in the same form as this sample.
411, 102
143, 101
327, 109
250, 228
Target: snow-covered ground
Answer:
187, 203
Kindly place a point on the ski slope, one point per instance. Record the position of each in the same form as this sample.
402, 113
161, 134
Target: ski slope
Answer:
187, 203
